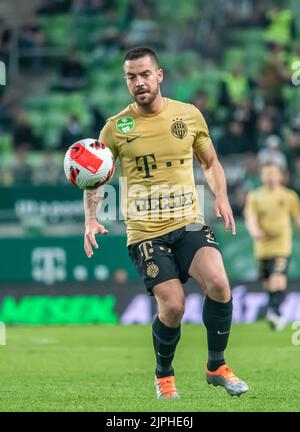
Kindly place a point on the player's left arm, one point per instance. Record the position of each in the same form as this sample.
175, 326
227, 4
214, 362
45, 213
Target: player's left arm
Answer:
215, 177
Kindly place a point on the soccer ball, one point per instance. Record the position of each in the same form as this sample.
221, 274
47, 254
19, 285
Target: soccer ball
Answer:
88, 164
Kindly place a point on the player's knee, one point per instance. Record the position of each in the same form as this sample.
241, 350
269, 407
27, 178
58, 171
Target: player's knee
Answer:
218, 287
175, 310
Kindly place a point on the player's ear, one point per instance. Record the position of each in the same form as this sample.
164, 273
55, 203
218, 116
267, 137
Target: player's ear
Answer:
160, 75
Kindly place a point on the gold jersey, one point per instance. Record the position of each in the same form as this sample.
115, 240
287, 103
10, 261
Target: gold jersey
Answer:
274, 212
156, 160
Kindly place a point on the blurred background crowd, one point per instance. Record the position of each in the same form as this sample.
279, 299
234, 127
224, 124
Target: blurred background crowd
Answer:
235, 60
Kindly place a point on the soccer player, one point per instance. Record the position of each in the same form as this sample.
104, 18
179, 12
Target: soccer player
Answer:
269, 213
155, 139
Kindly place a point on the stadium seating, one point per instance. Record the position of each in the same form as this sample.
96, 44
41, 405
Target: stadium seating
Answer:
186, 72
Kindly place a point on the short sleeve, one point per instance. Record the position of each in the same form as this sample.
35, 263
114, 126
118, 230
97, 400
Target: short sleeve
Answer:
250, 205
294, 206
202, 139
106, 137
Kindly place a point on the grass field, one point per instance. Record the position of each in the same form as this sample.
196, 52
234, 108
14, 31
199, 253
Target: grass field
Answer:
111, 368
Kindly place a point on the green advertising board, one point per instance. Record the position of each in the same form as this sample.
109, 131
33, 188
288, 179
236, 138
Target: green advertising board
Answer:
54, 204
60, 259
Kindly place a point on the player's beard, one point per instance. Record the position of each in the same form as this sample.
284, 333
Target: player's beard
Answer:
146, 98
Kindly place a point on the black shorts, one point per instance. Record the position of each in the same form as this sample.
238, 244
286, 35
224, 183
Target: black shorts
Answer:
276, 265
169, 256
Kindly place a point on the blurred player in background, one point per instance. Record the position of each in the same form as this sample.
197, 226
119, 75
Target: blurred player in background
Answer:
155, 139
269, 213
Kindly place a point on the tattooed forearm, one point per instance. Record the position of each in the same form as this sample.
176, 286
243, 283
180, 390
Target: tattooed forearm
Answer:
91, 201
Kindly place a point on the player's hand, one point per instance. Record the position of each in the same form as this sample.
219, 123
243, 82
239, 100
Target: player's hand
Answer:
223, 210
92, 228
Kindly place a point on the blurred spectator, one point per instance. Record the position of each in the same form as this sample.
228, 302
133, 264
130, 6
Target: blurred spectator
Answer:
246, 114
5, 32
72, 74
200, 100
5, 39
23, 136
144, 29
31, 43
101, 6
187, 38
293, 58
80, 7
22, 171
211, 46
279, 57
294, 138
98, 120
238, 11
108, 41
272, 152
5, 116
50, 7
280, 24
270, 84
292, 151
252, 177
277, 117
90, 7
233, 140
235, 87
71, 133
238, 199
257, 17
264, 129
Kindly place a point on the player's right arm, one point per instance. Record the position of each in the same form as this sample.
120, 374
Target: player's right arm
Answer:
251, 219
93, 198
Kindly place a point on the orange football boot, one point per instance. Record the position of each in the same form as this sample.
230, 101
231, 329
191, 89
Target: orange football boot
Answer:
224, 377
166, 388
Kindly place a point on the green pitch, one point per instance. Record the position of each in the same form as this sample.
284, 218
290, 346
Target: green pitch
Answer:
111, 368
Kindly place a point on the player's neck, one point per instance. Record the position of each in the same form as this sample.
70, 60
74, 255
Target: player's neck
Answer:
155, 108
272, 187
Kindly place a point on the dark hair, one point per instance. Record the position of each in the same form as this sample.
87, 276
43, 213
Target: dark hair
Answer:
136, 53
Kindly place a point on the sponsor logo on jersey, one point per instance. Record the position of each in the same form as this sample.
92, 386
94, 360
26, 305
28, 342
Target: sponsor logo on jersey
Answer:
146, 164
165, 202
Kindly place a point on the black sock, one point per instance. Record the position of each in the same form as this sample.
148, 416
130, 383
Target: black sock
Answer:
275, 300
217, 319
165, 340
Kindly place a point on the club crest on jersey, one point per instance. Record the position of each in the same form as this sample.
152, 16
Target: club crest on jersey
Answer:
125, 124
179, 129
152, 270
